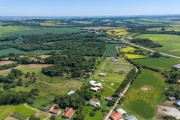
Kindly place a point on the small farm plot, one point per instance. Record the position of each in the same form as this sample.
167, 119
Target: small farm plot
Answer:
145, 94
116, 32
134, 56
6, 62
171, 43
128, 49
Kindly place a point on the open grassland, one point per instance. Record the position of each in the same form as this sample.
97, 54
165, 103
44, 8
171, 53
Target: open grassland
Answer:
116, 32
134, 56
11, 29
145, 94
5, 110
158, 63
171, 43
128, 49
100, 28
82, 22
52, 23
111, 50
88, 109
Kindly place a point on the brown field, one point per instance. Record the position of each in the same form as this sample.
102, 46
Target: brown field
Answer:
100, 28
6, 62
21, 67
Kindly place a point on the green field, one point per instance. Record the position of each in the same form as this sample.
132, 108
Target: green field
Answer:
17, 51
158, 63
171, 43
111, 50
11, 29
145, 94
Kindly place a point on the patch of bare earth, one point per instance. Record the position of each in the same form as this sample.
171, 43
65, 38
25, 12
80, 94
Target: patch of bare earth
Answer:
44, 56
21, 67
170, 111
6, 62
145, 88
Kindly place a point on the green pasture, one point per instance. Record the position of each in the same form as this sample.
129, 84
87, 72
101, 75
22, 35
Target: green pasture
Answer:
145, 94
171, 43
158, 63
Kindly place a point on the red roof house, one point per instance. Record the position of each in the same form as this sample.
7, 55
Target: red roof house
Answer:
116, 116
53, 110
68, 113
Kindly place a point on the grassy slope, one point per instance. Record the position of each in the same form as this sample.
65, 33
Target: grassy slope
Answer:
142, 102
171, 43
159, 63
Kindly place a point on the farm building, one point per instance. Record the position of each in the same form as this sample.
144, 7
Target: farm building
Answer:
172, 98
129, 38
53, 110
95, 102
116, 116
121, 111
68, 113
95, 84
108, 98
70, 92
177, 103
131, 118
102, 74
177, 66
114, 60
95, 89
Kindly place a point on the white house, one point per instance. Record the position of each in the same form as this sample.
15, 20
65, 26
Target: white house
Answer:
102, 74
123, 112
70, 92
95, 102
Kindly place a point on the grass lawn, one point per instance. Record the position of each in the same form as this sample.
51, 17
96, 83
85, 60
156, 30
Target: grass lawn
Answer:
133, 56
171, 43
159, 63
111, 50
145, 94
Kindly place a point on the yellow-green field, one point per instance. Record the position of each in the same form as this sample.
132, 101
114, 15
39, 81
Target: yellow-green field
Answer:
133, 56
116, 32
128, 49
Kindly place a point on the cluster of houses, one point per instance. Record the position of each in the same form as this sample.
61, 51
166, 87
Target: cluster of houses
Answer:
176, 102
95, 86
120, 114
68, 113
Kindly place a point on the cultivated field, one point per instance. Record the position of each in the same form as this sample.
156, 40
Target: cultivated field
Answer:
116, 32
134, 56
128, 49
6, 62
158, 63
145, 94
171, 43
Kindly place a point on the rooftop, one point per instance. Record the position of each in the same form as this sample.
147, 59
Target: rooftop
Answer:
116, 116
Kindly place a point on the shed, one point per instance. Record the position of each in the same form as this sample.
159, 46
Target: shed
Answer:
131, 118
123, 112
177, 66
177, 103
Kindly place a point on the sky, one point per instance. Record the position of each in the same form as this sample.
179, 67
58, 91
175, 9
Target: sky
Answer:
88, 7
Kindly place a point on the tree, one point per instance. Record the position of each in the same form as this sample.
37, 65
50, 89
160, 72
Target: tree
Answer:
167, 117
20, 82
52, 117
156, 55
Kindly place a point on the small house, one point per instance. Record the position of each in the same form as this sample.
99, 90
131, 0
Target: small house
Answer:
108, 98
121, 111
172, 98
131, 118
54, 110
177, 103
177, 66
95, 89
70, 92
116, 116
102, 74
95, 102
68, 113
